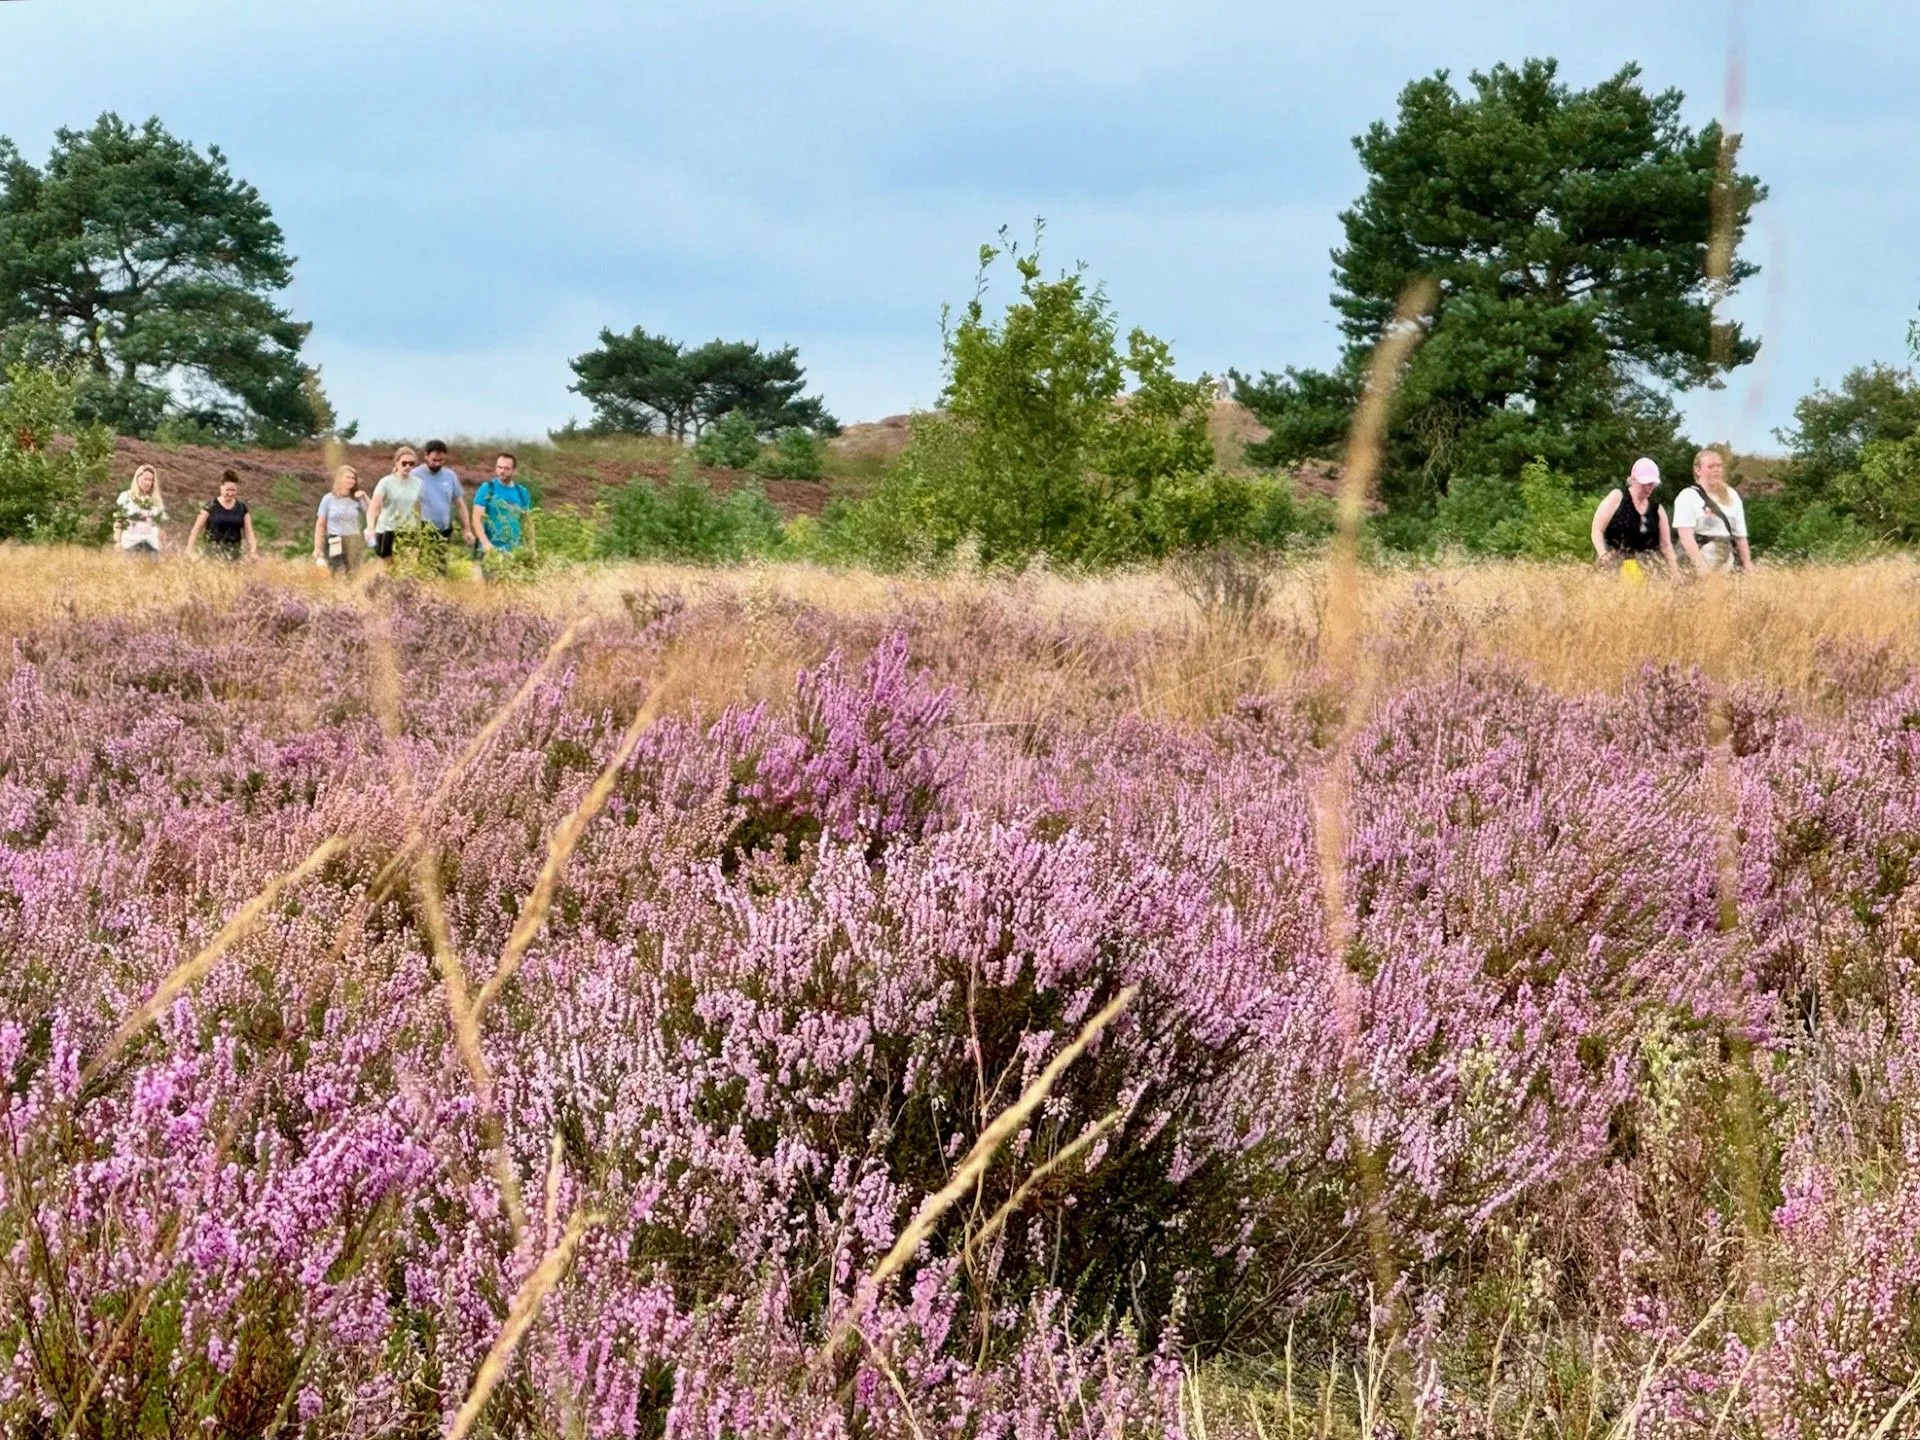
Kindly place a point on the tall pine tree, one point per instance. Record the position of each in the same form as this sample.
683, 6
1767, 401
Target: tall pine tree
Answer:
1569, 233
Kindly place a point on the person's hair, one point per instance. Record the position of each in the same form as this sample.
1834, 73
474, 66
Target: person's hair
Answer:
228, 477
436, 445
344, 471
404, 450
133, 485
507, 455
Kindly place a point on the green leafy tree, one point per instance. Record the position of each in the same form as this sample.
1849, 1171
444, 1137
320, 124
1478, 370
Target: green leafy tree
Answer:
1041, 445
1832, 429
1568, 231
42, 484
149, 263
640, 382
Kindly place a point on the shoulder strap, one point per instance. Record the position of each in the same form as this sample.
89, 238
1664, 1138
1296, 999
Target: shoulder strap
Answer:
1724, 521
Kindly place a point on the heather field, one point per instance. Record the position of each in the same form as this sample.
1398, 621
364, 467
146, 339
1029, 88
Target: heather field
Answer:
771, 1003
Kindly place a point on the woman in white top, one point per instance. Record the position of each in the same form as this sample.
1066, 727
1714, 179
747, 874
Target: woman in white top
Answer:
396, 503
1710, 520
337, 541
138, 512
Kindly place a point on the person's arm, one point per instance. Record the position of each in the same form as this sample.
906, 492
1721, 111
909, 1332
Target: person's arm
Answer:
320, 536
246, 533
1692, 547
373, 509
193, 535
1603, 517
480, 517
1746, 555
1666, 545
119, 521
466, 516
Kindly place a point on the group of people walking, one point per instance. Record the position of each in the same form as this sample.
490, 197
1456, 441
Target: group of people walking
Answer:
1630, 528
424, 498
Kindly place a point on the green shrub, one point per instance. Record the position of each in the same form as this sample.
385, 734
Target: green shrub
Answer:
732, 442
1214, 508
1541, 519
684, 520
1782, 528
40, 485
796, 454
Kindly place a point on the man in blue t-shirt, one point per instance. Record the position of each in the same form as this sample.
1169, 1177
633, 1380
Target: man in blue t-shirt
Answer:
498, 505
441, 497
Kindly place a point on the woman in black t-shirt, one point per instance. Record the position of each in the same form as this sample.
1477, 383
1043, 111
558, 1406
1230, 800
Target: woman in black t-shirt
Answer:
225, 523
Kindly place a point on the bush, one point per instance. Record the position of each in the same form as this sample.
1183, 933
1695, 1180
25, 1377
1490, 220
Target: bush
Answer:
796, 454
1813, 531
684, 520
1480, 515
41, 485
732, 442
1041, 448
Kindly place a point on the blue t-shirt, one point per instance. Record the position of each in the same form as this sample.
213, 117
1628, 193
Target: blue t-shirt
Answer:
437, 494
503, 502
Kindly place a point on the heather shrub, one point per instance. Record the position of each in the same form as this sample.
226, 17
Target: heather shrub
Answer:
812, 946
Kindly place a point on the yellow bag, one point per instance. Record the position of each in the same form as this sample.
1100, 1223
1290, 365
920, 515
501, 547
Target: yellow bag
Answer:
1631, 573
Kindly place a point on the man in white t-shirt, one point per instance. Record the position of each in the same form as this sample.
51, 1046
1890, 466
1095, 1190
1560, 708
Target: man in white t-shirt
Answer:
1709, 519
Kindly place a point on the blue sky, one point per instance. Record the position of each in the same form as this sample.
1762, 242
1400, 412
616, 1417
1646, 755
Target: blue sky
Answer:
473, 189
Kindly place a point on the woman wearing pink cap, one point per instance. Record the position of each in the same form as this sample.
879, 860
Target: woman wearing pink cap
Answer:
1629, 526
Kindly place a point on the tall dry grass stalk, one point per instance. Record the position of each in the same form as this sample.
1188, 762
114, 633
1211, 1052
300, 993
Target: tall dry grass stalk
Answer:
1350, 671
968, 1173
183, 976
386, 692
466, 1035
521, 1313
566, 838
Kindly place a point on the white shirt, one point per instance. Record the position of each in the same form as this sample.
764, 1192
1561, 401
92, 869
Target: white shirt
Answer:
1690, 512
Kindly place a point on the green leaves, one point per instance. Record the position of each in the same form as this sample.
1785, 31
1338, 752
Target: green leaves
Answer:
41, 483
640, 382
1569, 232
144, 261
1042, 445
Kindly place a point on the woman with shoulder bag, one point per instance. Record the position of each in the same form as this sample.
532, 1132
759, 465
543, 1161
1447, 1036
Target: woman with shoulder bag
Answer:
1710, 520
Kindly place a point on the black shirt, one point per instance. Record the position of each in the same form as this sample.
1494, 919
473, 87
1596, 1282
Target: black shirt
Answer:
224, 526
1631, 533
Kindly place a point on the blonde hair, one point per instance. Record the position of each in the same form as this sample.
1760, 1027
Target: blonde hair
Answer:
406, 450
342, 473
133, 485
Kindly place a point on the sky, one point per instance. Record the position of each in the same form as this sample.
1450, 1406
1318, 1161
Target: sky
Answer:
474, 189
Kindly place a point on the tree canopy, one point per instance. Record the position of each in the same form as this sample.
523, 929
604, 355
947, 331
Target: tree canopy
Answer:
1057, 438
1569, 233
150, 265
640, 382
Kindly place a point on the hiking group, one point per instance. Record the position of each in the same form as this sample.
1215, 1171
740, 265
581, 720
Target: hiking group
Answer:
424, 499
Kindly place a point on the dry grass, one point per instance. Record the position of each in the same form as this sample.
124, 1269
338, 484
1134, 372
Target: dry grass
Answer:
1571, 628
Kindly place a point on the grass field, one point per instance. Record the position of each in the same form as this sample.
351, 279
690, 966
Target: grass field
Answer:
776, 1001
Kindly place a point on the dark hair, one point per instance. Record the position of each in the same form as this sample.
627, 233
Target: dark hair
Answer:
507, 455
433, 445
227, 477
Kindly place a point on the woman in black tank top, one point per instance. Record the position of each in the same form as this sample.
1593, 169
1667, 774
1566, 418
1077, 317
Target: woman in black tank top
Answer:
1628, 525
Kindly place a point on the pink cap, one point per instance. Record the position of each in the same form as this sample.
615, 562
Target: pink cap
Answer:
1645, 472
